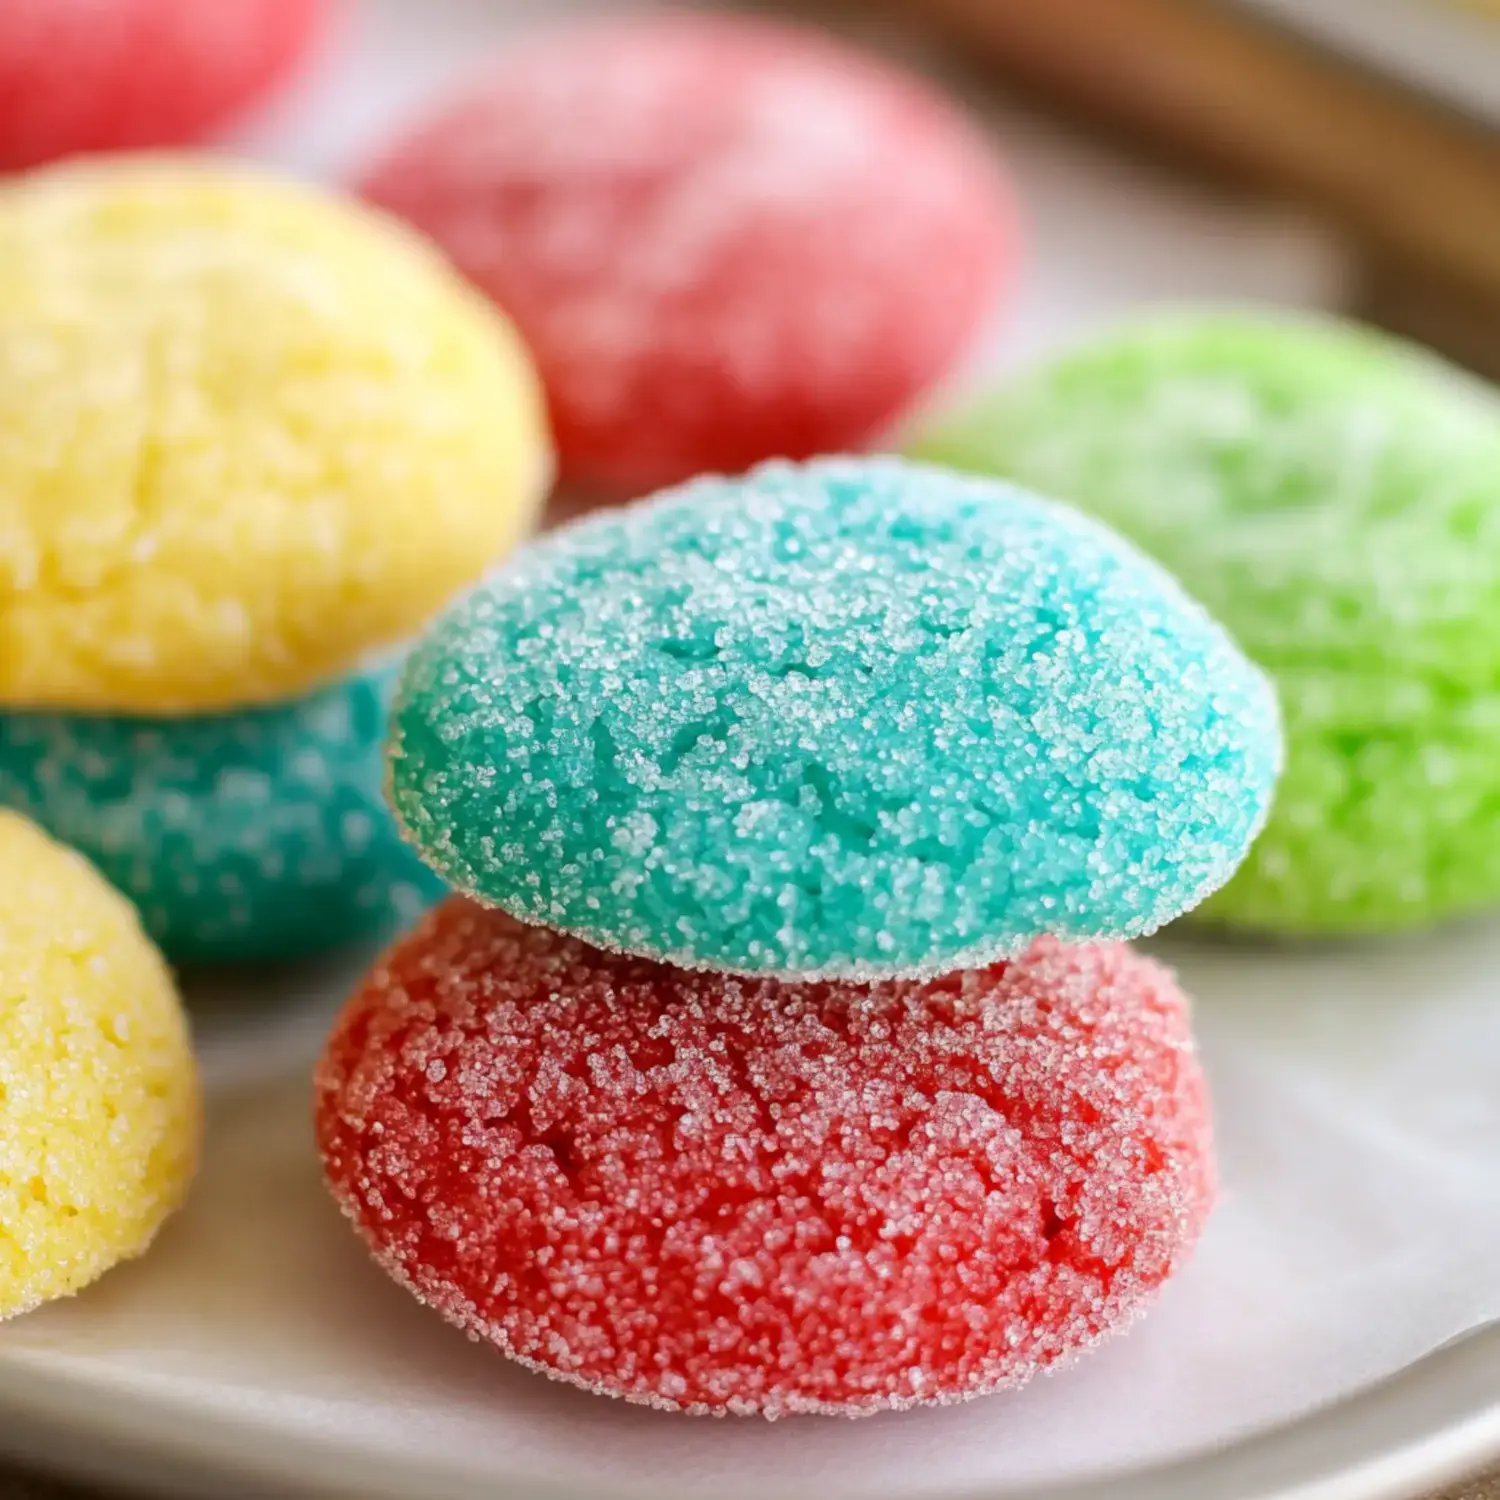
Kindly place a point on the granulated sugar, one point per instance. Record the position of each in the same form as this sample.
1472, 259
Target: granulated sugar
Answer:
854, 718
741, 1196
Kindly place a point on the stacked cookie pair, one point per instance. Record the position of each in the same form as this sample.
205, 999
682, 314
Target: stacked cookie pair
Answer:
253, 438
780, 1052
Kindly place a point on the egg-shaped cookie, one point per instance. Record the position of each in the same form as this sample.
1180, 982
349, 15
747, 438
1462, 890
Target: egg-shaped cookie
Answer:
725, 240
256, 835
850, 718
1333, 496
251, 433
721, 1195
98, 1090
78, 76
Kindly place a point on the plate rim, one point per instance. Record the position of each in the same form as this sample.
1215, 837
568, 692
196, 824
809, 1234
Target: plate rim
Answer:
141, 1438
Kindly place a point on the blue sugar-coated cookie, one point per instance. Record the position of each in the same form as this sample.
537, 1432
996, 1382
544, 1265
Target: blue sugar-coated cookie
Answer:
851, 718
254, 835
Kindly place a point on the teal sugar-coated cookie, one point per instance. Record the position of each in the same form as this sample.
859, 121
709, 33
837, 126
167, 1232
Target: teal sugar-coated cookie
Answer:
852, 718
256, 835
1333, 496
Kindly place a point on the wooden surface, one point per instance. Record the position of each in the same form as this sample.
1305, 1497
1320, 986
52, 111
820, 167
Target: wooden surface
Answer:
1418, 188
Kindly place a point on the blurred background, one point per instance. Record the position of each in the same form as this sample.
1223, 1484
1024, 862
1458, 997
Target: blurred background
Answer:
1336, 152
1380, 115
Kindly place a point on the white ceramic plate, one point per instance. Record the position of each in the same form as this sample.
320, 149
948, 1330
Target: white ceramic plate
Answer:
256, 1351
1437, 1422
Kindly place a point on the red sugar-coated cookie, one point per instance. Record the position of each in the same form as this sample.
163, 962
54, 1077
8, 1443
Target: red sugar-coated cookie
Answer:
734, 1196
81, 75
724, 240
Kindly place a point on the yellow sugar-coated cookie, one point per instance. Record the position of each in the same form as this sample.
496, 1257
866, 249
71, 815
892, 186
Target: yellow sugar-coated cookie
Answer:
98, 1092
249, 433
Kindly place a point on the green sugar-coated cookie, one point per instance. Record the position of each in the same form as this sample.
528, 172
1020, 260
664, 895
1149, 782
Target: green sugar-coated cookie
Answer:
1333, 496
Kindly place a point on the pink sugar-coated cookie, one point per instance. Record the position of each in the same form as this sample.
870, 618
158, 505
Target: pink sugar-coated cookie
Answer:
78, 75
724, 1195
724, 240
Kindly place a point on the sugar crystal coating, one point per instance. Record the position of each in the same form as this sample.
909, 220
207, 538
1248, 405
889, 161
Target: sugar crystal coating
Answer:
1333, 496
262, 834
730, 1195
81, 75
98, 1092
251, 434
724, 240
851, 718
